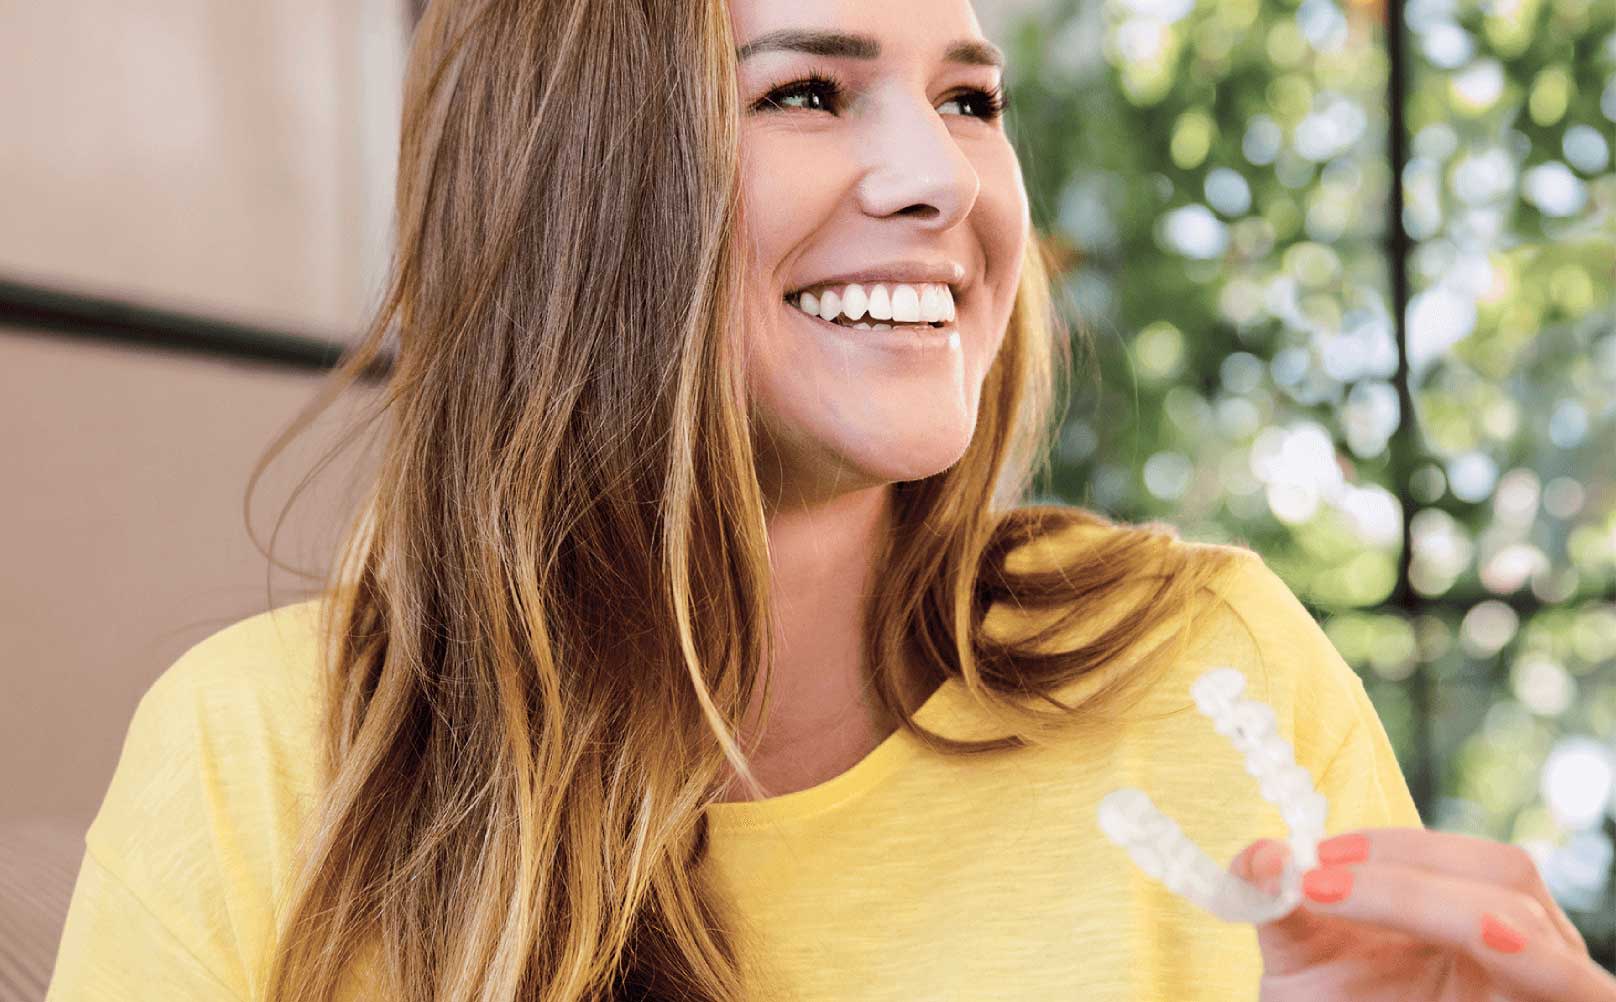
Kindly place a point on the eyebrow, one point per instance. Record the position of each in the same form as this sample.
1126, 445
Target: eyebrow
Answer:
970, 51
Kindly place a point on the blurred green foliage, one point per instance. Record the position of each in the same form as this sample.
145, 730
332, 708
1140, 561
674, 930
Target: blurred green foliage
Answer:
1215, 179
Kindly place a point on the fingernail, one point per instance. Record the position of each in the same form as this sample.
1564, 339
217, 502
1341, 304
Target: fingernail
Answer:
1327, 885
1500, 936
1352, 848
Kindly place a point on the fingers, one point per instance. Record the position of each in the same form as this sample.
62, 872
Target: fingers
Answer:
1242, 865
1451, 911
1260, 863
1473, 859
1294, 941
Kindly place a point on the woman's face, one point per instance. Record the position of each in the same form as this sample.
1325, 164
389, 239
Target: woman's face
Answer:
888, 192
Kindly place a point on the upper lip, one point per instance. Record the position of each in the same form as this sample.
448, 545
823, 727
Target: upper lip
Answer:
941, 272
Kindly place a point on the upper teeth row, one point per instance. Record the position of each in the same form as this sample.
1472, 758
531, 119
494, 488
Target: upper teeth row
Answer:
902, 304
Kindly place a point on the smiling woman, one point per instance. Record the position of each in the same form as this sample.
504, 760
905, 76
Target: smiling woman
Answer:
693, 642
875, 168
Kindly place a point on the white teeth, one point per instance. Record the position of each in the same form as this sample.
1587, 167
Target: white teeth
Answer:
880, 305
905, 304
861, 326
830, 307
900, 304
882, 327
855, 302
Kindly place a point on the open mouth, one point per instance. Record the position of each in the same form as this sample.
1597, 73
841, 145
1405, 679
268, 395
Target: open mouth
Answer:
865, 321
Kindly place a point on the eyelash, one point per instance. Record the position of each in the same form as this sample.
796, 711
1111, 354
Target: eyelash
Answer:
819, 81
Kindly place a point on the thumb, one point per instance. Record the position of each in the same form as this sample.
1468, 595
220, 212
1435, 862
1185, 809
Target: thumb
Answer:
1261, 864
1269, 864
1291, 941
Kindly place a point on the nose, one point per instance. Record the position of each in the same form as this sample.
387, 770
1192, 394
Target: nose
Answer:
914, 168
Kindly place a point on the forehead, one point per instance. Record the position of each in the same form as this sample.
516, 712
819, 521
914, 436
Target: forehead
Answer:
921, 27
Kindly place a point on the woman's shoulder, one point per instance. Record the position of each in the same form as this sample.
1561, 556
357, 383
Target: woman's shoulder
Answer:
241, 705
1242, 615
1231, 573
1256, 623
1114, 570
270, 656
219, 769
247, 692
1250, 619
1051, 535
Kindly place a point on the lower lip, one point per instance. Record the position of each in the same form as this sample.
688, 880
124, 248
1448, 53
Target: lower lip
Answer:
896, 339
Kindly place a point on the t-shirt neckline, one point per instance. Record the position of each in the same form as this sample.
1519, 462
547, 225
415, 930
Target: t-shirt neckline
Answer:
896, 749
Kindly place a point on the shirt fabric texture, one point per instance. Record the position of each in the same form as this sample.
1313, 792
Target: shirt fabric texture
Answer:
910, 876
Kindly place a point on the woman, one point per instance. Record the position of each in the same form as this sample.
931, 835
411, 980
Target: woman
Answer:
642, 444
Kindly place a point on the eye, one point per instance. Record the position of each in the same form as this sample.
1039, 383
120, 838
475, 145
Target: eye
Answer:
819, 91
988, 105
816, 92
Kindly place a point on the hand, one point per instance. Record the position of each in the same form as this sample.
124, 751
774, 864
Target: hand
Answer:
1417, 925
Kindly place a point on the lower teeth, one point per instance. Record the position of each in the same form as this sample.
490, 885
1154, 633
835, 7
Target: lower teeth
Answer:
886, 327
865, 325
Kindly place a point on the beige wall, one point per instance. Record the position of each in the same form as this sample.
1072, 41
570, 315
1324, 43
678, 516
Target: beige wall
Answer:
233, 159
125, 541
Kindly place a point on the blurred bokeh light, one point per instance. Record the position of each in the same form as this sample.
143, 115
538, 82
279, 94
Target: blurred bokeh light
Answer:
1218, 181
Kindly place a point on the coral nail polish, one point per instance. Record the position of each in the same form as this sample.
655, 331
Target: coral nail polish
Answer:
1350, 848
1500, 936
1327, 884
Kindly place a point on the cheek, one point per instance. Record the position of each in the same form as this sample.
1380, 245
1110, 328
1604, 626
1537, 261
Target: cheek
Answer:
786, 193
1003, 224
761, 187
1000, 227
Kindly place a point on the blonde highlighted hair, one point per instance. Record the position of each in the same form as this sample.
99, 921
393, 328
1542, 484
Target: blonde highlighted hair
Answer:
549, 617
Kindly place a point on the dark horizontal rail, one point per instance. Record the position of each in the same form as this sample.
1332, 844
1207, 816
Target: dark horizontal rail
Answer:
37, 308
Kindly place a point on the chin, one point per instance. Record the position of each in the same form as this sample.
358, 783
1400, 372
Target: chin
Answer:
895, 461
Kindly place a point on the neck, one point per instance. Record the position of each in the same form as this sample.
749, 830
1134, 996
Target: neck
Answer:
823, 717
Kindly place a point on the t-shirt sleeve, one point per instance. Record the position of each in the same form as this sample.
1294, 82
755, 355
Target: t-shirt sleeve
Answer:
114, 948
1338, 732
1364, 784
175, 897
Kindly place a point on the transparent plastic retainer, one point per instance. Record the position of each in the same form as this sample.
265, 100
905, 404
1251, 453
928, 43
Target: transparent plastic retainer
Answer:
1159, 847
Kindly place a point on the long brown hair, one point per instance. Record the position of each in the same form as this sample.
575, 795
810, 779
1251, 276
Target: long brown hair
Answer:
548, 617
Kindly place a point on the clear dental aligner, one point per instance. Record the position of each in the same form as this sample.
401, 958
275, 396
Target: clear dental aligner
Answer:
1160, 848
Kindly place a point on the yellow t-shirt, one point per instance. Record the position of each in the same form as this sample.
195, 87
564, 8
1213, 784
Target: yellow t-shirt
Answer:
911, 876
